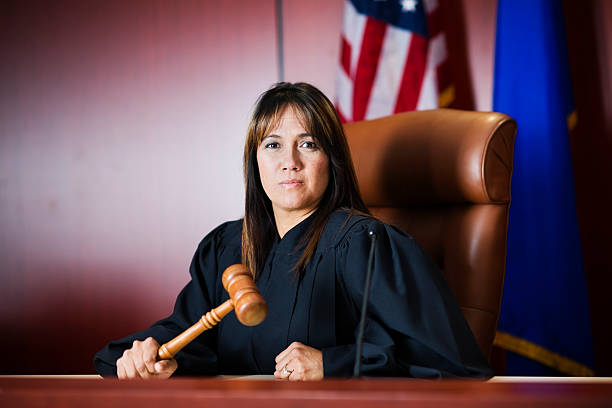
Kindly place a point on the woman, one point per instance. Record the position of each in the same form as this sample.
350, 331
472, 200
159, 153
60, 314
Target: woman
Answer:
305, 238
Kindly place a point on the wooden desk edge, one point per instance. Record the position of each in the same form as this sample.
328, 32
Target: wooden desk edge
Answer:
497, 379
77, 391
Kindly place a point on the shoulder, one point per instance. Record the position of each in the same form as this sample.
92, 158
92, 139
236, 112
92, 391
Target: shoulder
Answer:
227, 234
345, 226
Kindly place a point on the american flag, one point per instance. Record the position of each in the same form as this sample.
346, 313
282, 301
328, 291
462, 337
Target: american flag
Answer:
393, 59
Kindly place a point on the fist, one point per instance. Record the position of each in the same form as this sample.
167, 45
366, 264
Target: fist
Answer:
140, 361
299, 362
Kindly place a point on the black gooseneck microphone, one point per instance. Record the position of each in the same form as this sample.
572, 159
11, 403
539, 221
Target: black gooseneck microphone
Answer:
364, 306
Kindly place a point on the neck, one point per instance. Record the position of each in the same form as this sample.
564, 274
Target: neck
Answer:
285, 220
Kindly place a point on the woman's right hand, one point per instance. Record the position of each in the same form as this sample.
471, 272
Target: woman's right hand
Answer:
140, 361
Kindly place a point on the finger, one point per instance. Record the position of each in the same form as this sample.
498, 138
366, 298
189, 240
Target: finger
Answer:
120, 370
130, 369
286, 351
281, 375
139, 354
297, 353
297, 372
283, 363
284, 372
277, 374
150, 341
288, 354
149, 355
141, 368
149, 363
165, 368
279, 365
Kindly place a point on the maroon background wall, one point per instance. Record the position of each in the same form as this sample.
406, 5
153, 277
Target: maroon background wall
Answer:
121, 130
589, 35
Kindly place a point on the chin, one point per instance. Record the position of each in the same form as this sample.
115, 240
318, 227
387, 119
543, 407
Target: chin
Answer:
295, 206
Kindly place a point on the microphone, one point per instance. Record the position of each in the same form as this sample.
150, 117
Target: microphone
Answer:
364, 306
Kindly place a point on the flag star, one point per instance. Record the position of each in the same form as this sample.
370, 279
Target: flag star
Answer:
409, 5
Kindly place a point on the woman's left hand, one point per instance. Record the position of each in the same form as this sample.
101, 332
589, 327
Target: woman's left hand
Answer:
299, 362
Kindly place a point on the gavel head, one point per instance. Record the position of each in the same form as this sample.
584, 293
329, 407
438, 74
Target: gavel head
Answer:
251, 309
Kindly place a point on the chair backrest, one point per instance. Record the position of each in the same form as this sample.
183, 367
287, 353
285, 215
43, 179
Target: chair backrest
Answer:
444, 176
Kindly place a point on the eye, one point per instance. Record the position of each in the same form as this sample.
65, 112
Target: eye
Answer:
272, 145
309, 144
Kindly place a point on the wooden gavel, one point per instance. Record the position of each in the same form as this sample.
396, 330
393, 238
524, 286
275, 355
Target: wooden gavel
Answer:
245, 299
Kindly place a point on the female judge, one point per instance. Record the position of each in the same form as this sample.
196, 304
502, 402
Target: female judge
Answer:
305, 238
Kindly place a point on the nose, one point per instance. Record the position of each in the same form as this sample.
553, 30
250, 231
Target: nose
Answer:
291, 160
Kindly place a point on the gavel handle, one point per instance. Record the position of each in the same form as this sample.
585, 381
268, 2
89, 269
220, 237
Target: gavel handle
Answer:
207, 321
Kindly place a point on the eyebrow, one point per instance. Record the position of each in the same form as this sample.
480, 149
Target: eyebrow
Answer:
274, 135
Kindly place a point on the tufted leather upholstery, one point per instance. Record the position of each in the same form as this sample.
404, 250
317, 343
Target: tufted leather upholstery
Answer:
443, 176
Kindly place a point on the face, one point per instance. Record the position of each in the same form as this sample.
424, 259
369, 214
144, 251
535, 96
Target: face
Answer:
293, 168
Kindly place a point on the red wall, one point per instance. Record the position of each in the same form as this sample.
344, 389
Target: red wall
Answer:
121, 131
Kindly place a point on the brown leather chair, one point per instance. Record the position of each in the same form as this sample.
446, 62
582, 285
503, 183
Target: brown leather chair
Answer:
443, 176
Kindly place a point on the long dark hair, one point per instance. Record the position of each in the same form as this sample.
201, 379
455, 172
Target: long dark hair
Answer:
320, 119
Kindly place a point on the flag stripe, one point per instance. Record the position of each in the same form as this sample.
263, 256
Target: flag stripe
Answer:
353, 27
366, 67
345, 57
436, 55
388, 80
344, 103
414, 72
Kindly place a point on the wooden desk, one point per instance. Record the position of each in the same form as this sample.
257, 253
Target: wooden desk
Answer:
256, 393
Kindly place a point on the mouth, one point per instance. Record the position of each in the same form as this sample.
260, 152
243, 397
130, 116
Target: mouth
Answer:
291, 183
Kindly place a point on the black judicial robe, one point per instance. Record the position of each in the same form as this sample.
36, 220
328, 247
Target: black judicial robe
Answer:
414, 325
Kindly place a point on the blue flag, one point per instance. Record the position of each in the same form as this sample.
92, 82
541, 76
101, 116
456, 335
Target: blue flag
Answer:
544, 320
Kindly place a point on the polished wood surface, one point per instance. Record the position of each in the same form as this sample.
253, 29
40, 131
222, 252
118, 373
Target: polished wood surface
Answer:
250, 307
254, 393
